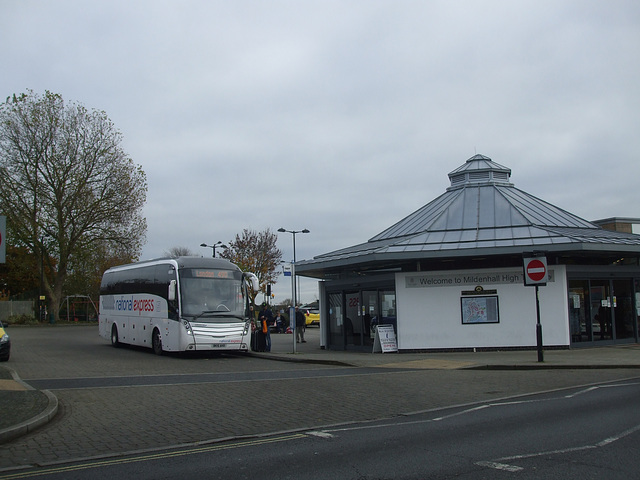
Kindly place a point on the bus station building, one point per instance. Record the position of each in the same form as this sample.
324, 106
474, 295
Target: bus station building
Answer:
451, 275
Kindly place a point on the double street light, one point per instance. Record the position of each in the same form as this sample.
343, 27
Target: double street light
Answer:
217, 244
292, 310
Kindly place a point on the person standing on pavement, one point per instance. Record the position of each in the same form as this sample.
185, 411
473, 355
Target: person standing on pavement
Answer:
266, 320
300, 325
279, 323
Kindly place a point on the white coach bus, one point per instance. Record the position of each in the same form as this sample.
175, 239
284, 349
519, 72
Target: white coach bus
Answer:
177, 305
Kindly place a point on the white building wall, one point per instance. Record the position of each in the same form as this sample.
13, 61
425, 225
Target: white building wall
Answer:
430, 315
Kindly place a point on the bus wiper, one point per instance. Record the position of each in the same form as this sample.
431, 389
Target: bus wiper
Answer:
204, 312
217, 313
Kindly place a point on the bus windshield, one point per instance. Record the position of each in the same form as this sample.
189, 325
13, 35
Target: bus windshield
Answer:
211, 295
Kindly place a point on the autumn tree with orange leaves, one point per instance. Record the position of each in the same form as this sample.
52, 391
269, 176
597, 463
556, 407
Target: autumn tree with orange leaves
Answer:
255, 252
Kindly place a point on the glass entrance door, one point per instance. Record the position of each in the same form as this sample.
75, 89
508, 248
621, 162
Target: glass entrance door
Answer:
623, 314
370, 310
602, 310
353, 315
388, 309
336, 321
580, 323
601, 304
352, 321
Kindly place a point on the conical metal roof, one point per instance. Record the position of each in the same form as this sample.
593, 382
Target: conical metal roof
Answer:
481, 197
480, 213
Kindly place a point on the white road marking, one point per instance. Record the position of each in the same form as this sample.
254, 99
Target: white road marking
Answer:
500, 466
609, 440
590, 389
462, 412
603, 443
320, 434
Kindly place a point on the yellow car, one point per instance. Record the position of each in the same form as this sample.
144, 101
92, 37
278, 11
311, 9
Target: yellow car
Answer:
5, 345
311, 316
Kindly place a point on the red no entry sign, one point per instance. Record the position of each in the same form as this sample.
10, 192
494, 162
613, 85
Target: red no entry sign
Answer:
535, 271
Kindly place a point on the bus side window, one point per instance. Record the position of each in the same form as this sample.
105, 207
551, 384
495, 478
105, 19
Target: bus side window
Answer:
172, 291
165, 286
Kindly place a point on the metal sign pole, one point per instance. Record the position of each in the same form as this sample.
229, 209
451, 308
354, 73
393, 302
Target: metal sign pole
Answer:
539, 328
292, 310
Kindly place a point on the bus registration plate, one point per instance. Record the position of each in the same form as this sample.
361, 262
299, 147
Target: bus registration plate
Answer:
218, 345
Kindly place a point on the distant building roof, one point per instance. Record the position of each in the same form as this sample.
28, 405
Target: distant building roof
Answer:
480, 213
620, 224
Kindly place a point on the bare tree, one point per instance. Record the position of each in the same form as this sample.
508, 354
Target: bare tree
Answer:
256, 252
178, 251
66, 186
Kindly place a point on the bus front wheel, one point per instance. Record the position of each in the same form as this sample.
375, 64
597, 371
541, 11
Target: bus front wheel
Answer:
114, 336
157, 342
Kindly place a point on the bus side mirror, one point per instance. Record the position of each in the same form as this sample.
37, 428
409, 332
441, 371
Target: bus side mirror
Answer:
172, 291
255, 284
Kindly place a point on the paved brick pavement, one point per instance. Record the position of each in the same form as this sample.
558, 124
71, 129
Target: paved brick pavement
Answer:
110, 421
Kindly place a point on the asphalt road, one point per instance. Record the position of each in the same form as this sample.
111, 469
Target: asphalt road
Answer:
118, 403
550, 435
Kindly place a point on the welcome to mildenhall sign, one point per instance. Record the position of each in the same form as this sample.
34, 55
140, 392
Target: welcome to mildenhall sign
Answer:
458, 279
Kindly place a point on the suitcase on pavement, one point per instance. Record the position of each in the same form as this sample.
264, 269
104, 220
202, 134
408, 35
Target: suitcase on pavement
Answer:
258, 342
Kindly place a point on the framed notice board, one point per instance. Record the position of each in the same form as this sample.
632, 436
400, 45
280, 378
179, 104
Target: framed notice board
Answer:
480, 309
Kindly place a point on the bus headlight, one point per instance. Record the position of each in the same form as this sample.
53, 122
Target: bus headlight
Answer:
187, 327
247, 326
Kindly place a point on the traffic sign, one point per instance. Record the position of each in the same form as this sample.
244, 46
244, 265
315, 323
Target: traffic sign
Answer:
286, 269
535, 271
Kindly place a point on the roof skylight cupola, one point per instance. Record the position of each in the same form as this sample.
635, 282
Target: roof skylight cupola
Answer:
479, 170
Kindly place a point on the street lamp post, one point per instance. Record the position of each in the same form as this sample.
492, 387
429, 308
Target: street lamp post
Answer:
217, 244
292, 310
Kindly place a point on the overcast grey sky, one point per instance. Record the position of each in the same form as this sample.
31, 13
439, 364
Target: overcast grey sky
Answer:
341, 116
